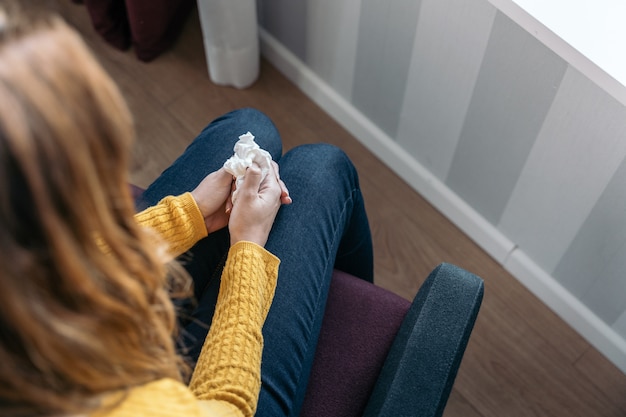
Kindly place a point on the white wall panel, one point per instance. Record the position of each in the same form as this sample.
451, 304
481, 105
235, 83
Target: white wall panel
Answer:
332, 34
576, 153
449, 46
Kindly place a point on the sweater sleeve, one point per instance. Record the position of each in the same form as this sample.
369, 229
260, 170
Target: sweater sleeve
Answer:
229, 367
177, 220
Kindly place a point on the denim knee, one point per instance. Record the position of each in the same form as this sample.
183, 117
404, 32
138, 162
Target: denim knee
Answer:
261, 126
249, 113
325, 155
323, 164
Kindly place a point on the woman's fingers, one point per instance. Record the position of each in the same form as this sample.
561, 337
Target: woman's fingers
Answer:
284, 197
229, 201
258, 201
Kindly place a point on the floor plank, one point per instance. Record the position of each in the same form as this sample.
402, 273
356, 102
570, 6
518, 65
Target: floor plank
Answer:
602, 374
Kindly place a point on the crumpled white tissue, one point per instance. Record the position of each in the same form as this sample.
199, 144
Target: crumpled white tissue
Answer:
247, 151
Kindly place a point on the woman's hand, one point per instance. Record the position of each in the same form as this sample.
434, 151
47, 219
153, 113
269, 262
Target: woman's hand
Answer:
284, 195
257, 204
213, 198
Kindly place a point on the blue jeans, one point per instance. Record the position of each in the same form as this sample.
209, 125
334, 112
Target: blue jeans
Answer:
324, 228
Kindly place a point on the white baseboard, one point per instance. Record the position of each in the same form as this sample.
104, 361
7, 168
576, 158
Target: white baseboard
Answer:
487, 236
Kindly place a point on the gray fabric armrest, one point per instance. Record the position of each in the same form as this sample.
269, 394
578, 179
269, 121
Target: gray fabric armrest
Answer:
420, 369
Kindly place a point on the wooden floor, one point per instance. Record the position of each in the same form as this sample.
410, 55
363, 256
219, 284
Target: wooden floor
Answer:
522, 360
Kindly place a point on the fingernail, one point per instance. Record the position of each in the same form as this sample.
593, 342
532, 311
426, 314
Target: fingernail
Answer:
228, 209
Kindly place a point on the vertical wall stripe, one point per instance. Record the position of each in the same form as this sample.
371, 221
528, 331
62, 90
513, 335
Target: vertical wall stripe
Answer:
386, 34
607, 297
515, 88
449, 45
594, 266
332, 41
620, 325
577, 152
286, 21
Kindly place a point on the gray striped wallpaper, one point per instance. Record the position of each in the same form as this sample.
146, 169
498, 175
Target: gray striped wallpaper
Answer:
520, 135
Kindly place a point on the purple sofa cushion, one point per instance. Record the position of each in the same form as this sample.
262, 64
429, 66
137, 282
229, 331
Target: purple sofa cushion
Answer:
151, 26
110, 20
156, 24
360, 323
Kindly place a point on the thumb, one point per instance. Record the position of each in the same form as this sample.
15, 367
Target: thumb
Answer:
252, 179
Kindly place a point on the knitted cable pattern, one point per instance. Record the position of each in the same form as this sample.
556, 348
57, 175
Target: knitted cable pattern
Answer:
177, 220
228, 368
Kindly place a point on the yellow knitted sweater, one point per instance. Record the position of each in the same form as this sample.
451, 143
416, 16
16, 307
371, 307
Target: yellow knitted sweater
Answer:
226, 380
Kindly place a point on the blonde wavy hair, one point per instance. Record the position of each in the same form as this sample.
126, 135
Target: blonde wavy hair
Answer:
84, 305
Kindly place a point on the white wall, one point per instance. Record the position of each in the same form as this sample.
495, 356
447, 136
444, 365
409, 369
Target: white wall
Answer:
505, 134
595, 28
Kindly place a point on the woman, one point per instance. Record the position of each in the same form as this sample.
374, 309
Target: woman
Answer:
87, 324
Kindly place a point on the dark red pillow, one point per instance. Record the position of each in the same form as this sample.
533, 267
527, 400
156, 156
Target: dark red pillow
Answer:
360, 323
150, 26
155, 24
109, 19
